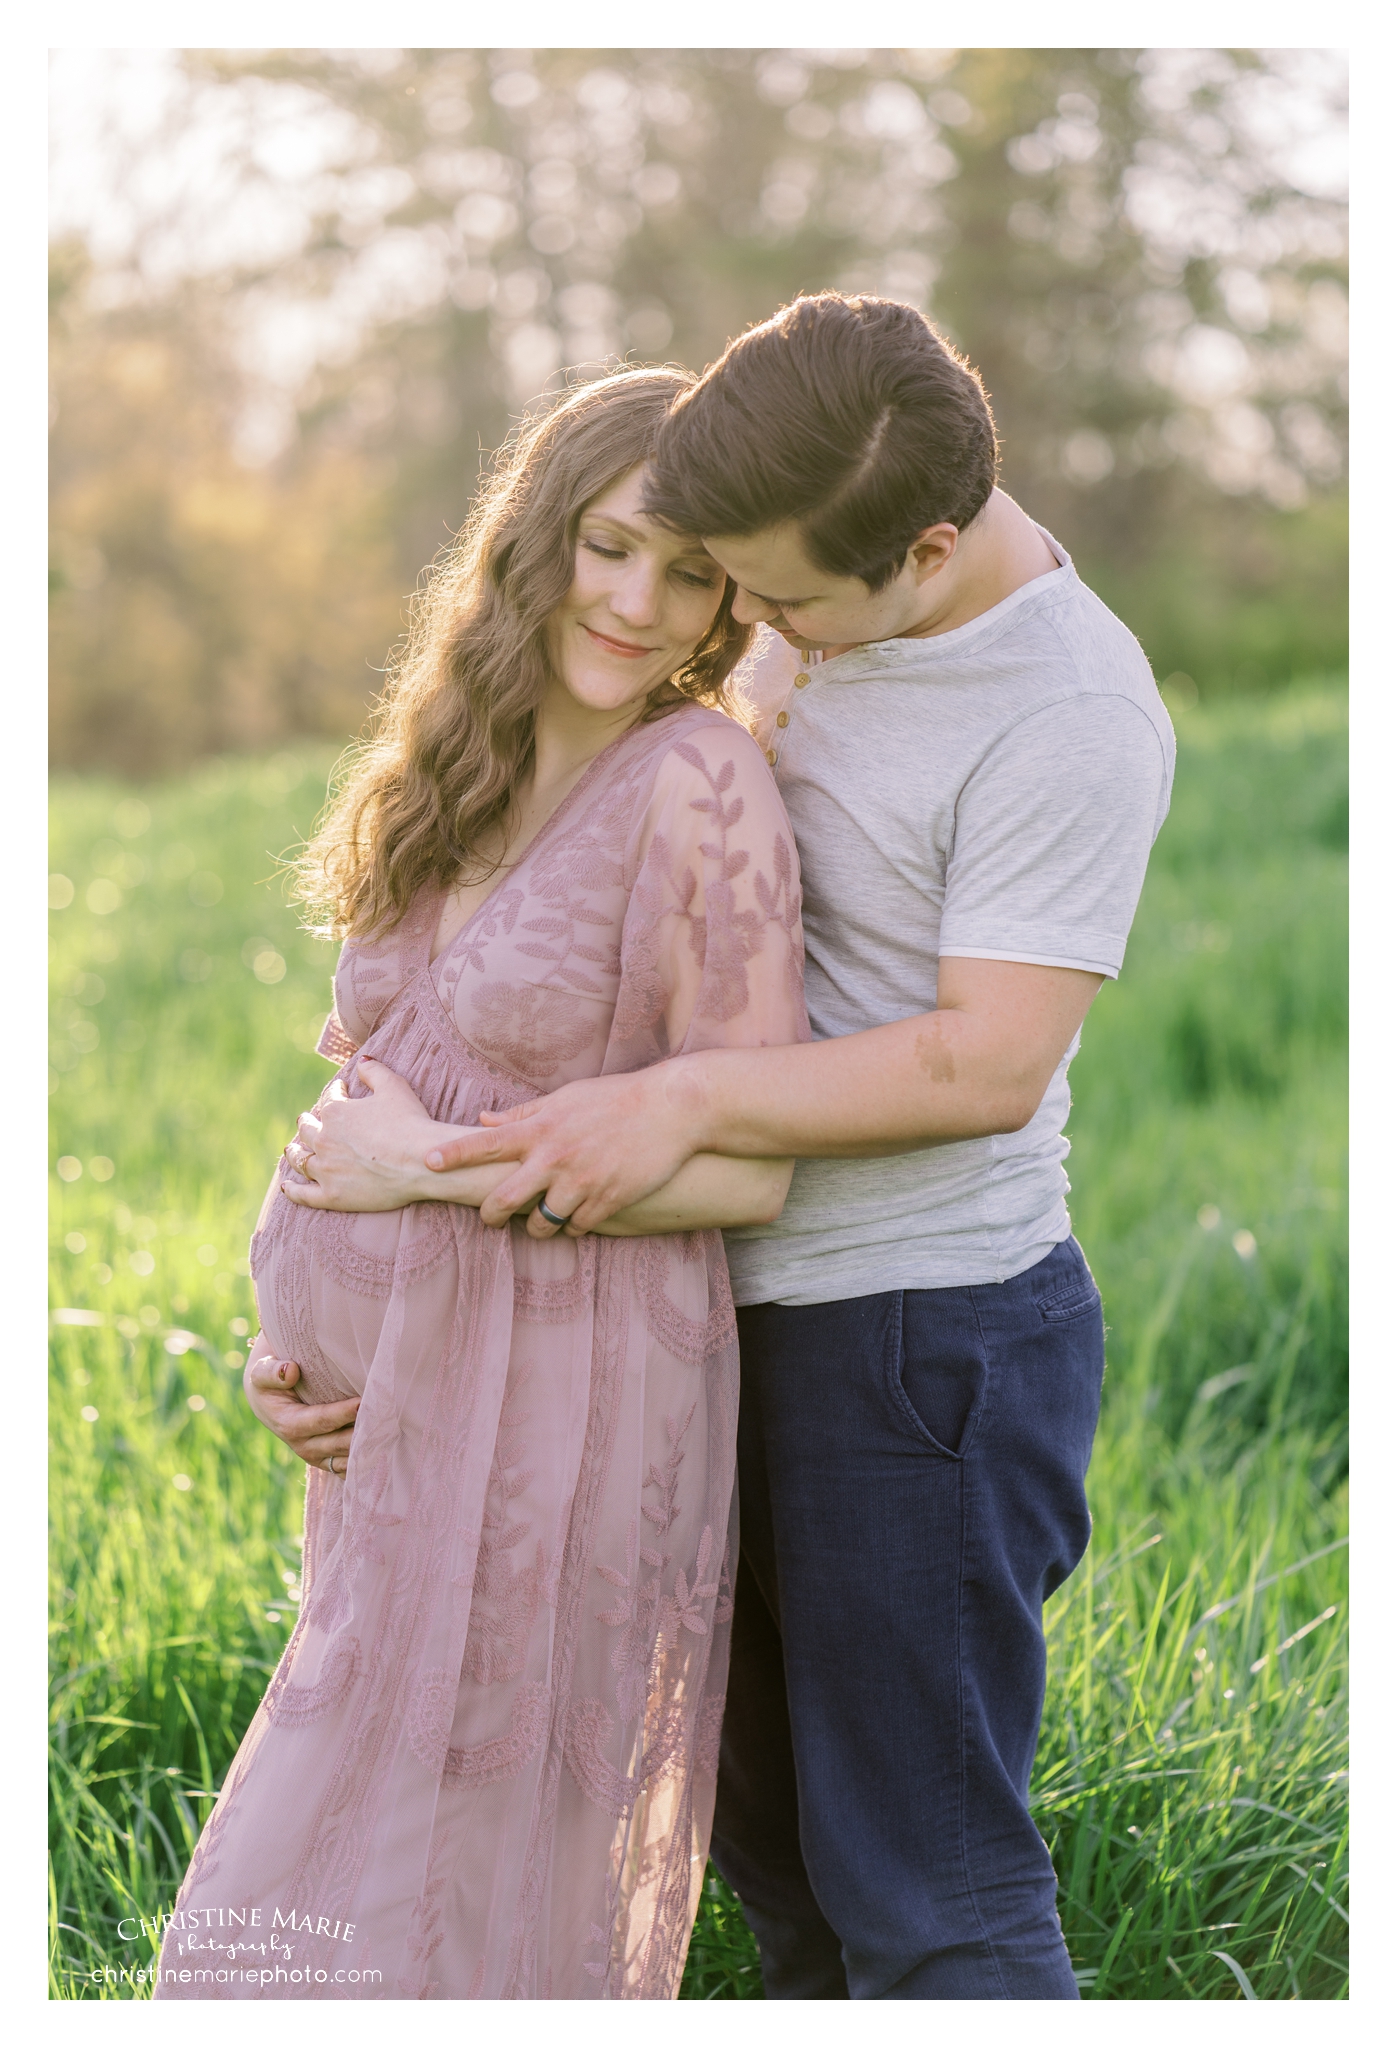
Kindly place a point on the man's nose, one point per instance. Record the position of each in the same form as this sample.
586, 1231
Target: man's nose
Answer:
752, 611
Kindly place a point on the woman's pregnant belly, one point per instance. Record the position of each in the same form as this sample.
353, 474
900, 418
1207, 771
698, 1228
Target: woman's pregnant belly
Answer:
324, 1278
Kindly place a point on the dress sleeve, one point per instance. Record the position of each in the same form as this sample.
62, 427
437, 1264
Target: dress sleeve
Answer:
334, 1042
712, 952
337, 1040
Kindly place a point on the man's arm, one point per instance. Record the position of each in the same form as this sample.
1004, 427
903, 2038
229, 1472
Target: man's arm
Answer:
977, 1065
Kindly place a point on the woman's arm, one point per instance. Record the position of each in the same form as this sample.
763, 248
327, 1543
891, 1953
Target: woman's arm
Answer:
708, 1193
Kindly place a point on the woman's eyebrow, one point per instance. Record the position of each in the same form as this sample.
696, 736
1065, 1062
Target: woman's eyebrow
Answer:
609, 519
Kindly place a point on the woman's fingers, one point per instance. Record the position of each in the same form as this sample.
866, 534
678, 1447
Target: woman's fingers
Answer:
517, 1115
317, 1450
515, 1196
390, 1087
315, 1431
267, 1373
309, 1196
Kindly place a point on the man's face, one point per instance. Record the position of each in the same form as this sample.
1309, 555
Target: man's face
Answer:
778, 584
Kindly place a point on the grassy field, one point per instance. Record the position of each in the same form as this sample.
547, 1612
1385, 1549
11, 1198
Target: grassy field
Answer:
1191, 1778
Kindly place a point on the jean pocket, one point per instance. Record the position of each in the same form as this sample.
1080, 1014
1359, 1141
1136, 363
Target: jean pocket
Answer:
940, 1372
1078, 1298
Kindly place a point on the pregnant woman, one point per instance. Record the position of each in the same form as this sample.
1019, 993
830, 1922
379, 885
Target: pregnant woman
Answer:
484, 1767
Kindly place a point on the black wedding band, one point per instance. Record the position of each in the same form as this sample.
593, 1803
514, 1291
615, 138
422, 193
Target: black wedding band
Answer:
547, 1214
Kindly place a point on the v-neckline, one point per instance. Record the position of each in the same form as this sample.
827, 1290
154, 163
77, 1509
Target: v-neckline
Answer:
558, 810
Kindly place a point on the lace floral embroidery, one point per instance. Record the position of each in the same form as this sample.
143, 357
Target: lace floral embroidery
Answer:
722, 938
505, 1601
491, 1763
297, 1706
638, 1614
683, 1608
680, 1334
374, 1275
429, 1724
557, 1301
533, 1029
591, 1731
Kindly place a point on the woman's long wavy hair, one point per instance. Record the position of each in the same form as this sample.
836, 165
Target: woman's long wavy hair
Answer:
453, 732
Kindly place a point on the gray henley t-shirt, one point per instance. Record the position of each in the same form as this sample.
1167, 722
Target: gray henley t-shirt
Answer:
989, 793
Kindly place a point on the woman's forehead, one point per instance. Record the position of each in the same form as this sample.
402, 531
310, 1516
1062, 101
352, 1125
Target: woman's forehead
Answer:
622, 502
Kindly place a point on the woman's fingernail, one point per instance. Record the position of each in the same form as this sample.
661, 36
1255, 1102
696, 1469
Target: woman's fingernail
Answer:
281, 1372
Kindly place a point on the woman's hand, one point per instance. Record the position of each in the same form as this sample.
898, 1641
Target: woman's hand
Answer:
319, 1433
368, 1153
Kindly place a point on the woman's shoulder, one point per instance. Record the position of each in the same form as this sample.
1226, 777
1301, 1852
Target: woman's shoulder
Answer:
702, 741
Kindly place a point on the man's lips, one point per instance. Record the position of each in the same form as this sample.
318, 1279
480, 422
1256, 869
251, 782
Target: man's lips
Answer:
624, 647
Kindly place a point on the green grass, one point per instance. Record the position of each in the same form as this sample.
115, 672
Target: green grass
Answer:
1191, 1775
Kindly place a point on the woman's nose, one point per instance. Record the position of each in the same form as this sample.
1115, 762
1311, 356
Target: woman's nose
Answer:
636, 597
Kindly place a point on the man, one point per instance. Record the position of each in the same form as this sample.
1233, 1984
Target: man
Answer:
975, 768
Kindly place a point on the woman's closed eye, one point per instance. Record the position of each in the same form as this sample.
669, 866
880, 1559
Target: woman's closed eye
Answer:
695, 577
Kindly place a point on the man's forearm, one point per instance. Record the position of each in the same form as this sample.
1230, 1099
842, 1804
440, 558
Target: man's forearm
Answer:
929, 1080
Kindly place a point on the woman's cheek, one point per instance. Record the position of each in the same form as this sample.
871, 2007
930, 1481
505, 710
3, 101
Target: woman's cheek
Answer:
699, 616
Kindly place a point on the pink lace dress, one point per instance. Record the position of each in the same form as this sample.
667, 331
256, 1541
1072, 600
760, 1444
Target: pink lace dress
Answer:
484, 1767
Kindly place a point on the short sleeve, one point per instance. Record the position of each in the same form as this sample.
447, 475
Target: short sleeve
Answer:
712, 952
1053, 831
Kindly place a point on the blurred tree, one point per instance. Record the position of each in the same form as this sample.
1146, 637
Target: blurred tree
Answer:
1117, 238
197, 604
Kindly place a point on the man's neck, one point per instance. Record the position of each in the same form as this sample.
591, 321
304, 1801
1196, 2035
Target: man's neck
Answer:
997, 554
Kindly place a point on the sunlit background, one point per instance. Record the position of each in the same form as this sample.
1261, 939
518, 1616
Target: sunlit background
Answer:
299, 297
298, 293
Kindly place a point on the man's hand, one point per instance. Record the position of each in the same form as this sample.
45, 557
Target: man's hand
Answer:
315, 1432
366, 1153
590, 1148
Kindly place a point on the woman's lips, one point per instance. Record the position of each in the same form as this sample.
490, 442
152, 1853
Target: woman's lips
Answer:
625, 647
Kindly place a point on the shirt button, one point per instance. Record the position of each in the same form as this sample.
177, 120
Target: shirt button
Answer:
771, 755
783, 718
801, 681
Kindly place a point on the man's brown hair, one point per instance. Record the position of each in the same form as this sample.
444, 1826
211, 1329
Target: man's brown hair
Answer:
850, 416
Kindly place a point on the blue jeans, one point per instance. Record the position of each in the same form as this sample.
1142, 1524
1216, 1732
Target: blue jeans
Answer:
911, 1471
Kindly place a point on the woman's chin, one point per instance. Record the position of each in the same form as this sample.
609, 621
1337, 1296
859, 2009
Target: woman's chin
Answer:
609, 695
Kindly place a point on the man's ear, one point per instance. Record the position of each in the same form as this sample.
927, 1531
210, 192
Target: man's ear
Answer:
932, 550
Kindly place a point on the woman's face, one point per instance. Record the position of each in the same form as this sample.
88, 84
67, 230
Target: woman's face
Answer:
642, 599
